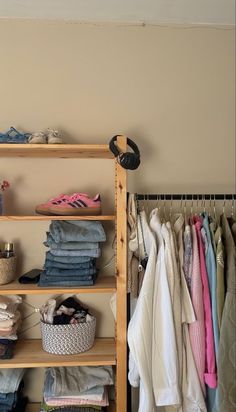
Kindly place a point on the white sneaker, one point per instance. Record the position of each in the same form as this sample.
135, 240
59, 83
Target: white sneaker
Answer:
53, 136
38, 138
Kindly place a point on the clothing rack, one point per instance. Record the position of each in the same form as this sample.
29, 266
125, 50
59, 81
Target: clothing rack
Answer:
213, 197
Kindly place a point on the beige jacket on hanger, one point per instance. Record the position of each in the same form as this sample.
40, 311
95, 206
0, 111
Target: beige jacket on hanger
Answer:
135, 248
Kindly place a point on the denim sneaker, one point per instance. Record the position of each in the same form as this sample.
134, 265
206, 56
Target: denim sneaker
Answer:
14, 136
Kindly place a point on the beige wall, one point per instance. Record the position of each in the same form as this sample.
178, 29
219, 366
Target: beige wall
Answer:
171, 89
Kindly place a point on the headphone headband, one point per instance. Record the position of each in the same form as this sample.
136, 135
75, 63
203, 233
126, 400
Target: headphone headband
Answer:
127, 160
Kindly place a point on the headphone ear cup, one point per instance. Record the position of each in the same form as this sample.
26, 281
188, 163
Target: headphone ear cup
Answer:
129, 161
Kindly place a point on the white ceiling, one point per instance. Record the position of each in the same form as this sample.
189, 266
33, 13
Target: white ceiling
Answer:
204, 12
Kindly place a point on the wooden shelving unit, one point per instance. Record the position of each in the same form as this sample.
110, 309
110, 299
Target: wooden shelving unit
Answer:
65, 151
107, 351
41, 218
35, 407
30, 354
104, 284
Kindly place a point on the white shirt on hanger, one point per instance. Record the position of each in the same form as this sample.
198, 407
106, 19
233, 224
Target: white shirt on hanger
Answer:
165, 367
140, 328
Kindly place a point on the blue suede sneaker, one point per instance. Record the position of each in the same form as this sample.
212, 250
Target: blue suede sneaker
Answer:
14, 136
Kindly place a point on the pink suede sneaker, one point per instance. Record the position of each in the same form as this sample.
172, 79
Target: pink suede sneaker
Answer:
45, 208
78, 204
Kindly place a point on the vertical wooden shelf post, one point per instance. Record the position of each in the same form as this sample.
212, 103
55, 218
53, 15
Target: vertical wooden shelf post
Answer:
121, 269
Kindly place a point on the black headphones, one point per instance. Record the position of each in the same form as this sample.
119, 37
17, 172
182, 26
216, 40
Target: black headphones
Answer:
126, 160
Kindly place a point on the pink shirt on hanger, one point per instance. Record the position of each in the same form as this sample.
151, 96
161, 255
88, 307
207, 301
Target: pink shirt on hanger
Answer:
197, 329
210, 375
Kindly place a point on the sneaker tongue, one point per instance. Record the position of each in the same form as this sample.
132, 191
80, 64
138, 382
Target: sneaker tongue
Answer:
59, 197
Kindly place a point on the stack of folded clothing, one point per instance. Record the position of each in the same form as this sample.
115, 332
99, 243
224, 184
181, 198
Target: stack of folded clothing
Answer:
10, 321
77, 389
11, 385
69, 311
74, 247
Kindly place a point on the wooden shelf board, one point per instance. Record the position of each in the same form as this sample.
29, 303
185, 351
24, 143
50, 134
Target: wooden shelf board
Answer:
35, 407
22, 218
104, 284
86, 151
29, 354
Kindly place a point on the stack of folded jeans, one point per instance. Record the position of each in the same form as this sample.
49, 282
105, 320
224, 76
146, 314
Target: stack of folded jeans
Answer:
77, 389
74, 247
11, 385
10, 321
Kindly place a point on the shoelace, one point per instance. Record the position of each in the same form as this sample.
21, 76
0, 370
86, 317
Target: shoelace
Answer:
77, 196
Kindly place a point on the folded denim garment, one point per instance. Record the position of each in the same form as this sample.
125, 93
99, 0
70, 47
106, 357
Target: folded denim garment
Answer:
86, 265
65, 284
78, 380
95, 253
13, 402
50, 242
67, 279
67, 273
7, 403
7, 351
77, 231
50, 281
10, 380
87, 408
67, 259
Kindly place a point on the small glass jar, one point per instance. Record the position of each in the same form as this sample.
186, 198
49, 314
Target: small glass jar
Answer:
8, 250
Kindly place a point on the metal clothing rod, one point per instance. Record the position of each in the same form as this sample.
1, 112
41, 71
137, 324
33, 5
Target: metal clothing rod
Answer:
141, 196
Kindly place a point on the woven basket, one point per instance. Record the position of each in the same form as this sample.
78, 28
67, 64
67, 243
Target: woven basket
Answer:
68, 339
7, 270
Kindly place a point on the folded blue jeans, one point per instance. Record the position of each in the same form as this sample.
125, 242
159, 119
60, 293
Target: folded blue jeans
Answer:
86, 265
65, 283
67, 259
59, 280
71, 409
72, 381
8, 400
95, 253
69, 245
77, 231
70, 272
10, 380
